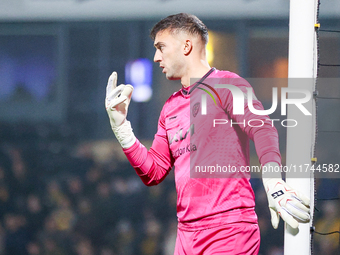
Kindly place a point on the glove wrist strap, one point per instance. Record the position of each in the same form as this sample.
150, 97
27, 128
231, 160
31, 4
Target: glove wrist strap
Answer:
124, 134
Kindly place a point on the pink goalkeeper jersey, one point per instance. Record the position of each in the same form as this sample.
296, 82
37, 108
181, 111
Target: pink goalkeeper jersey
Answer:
187, 140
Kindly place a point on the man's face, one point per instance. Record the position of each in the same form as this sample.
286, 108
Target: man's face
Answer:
169, 54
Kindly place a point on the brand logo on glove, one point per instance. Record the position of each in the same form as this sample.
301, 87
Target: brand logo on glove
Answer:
277, 194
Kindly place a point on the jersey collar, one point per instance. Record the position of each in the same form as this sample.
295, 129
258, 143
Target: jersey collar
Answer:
190, 89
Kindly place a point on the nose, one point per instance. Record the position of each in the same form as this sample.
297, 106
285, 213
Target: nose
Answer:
157, 57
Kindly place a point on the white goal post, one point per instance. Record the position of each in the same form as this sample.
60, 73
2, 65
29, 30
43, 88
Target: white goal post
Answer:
302, 61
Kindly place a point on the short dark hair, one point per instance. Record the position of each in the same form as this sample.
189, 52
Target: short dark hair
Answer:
181, 22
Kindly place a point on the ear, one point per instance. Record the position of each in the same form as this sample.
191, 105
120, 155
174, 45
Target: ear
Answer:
187, 47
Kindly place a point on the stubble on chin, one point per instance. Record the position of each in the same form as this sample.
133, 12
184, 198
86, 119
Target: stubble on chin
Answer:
172, 78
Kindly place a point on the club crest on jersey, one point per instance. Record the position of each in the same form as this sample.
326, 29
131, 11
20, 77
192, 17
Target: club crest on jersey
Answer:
195, 109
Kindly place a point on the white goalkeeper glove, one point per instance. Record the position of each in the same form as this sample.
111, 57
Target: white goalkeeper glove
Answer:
290, 204
116, 103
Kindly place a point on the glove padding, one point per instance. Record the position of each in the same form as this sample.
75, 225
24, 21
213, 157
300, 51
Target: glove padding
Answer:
290, 204
117, 100
116, 103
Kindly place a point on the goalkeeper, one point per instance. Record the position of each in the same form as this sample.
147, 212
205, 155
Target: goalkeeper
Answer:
215, 215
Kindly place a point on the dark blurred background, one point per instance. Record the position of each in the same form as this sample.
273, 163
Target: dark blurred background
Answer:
65, 185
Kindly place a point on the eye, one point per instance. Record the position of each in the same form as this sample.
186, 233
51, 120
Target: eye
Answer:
161, 47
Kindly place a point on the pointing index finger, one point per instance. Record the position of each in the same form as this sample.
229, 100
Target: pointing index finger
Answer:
111, 83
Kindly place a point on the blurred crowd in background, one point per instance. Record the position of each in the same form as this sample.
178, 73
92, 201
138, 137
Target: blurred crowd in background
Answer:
62, 195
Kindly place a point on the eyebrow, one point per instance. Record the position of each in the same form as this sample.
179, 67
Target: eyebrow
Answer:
157, 45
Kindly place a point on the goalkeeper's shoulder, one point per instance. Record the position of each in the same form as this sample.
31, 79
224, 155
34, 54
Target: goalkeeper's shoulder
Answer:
171, 102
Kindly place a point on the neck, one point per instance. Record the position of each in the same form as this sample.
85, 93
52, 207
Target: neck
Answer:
195, 72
